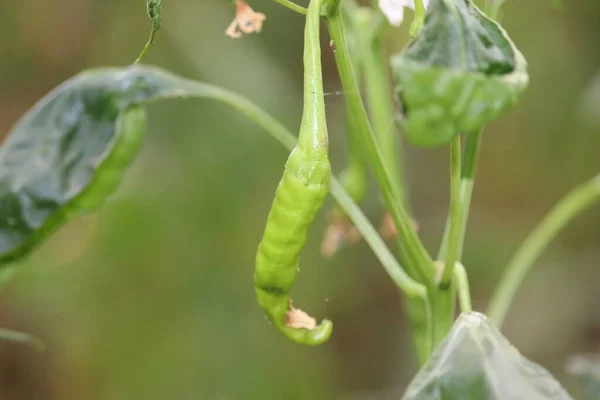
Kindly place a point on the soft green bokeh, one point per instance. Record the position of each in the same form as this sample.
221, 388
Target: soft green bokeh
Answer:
152, 297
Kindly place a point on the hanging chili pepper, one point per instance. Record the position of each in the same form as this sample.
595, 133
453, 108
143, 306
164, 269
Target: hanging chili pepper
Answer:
298, 199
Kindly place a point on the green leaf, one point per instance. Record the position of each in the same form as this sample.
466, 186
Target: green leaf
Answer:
475, 362
586, 367
461, 72
70, 151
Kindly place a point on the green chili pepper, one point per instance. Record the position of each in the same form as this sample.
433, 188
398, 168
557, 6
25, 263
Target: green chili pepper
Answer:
299, 197
461, 72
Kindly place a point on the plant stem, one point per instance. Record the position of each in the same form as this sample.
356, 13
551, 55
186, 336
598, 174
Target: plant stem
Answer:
332, 7
292, 6
412, 252
468, 169
573, 204
469, 165
288, 140
410, 287
453, 237
154, 12
462, 284
380, 107
419, 314
417, 23
456, 210
368, 26
467, 172
411, 245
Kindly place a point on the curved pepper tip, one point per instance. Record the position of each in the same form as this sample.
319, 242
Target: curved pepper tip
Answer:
319, 335
303, 329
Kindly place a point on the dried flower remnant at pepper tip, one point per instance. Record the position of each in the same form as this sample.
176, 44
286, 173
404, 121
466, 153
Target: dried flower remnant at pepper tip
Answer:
246, 20
298, 319
394, 9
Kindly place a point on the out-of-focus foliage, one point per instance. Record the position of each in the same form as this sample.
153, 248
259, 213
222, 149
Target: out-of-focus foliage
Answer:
586, 368
152, 296
589, 104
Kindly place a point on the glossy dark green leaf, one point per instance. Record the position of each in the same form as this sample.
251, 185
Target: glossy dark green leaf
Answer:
586, 367
476, 362
69, 152
461, 72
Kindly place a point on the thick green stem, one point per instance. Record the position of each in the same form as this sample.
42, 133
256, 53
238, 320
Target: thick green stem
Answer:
446, 295
381, 110
469, 164
419, 313
412, 247
577, 201
419, 20
462, 284
456, 209
354, 177
467, 176
412, 252
333, 7
468, 168
366, 26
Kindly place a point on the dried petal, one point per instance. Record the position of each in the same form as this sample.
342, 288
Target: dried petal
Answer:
339, 232
296, 318
232, 31
246, 19
388, 229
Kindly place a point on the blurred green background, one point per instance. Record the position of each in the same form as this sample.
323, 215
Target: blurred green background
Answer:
152, 297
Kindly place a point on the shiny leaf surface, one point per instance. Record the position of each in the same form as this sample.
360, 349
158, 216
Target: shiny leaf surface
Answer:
70, 151
476, 362
461, 72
